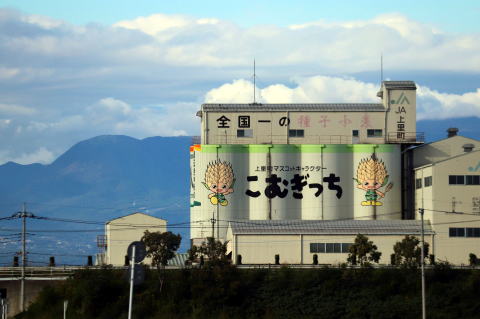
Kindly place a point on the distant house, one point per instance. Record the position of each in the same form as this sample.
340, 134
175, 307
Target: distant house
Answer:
122, 231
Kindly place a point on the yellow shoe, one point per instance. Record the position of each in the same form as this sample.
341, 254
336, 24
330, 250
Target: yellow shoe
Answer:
214, 200
378, 203
224, 203
366, 203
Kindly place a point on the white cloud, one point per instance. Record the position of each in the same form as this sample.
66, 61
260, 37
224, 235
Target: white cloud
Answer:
338, 46
15, 109
61, 83
41, 155
155, 23
435, 105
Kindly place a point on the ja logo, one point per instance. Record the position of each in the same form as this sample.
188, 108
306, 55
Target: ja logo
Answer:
402, 99
474, 168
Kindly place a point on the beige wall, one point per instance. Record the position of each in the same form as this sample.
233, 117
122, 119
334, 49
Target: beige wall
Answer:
121, 232
401, 114
397, 122
319, 127
441, 199
295, 249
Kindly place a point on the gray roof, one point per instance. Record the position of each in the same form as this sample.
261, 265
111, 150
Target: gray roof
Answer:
304, 107
330, 227
405, 85
178, 260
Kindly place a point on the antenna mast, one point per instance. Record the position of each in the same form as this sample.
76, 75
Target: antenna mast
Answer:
381, 68
254, 82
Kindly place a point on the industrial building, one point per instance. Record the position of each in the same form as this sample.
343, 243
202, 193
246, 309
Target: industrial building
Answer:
447, 182
277, 165
121, 232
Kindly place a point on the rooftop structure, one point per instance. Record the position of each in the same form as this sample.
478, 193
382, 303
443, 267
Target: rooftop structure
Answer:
391, 120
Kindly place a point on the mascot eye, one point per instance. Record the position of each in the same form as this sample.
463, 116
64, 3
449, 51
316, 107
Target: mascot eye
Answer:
366, 184
224, 186
376, 184
214, 186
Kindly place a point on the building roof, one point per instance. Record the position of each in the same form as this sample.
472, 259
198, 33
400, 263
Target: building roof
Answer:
445, 140
405, 85
330, 227
454, 157
303, 107
178, 260
139, 213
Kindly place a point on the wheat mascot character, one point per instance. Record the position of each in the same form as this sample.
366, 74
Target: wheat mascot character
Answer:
219, 179
371, 176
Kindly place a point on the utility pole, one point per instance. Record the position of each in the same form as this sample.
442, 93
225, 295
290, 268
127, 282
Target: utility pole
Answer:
213, 220
23, 214
24, 258
424, 311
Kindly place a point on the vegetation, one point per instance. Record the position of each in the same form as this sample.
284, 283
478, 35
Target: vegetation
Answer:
473, 260
363, 252
229, 292
408, 252
161, 247
213, 250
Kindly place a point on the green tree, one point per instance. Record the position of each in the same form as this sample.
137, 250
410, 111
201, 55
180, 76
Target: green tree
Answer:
161, 247
363, 251
473, 259
214, 250
408, 252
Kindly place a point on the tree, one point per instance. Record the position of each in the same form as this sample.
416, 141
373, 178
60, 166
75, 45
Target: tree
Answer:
161, 247
363, 251
214, 250
408, 252
473, 259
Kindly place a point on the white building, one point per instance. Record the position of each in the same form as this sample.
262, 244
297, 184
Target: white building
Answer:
447, 182
301, 161
296, 242
121, 232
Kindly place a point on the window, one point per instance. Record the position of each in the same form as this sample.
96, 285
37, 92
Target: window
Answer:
472, 179
317, 247
418, 183
345, 248
355, 133
473, 232
374, 133
296, 133
428, 181
456, 232
456, 179
244, 133
337, 248
329, 247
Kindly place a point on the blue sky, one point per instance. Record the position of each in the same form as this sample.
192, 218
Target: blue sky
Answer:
454, 16
73, 70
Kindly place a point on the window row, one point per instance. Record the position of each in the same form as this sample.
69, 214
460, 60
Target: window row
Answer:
329, 247
301, 133
427, 182
464, 232
464, 179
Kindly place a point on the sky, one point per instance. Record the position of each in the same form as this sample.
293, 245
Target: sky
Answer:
71, 70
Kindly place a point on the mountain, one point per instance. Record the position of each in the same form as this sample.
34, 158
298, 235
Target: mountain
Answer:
437, 129
98, 179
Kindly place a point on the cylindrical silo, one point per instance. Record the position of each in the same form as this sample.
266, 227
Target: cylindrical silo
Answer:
285, 164
312, 166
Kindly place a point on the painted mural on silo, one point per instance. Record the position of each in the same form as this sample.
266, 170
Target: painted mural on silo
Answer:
290, 182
